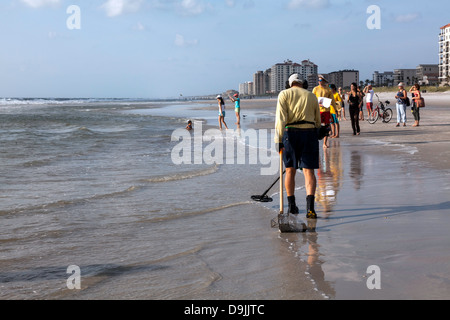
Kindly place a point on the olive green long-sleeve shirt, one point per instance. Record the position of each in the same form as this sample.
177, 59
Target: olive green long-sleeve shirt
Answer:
294, 105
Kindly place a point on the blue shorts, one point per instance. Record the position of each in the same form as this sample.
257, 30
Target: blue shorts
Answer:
222, 114
334, 119
301, 149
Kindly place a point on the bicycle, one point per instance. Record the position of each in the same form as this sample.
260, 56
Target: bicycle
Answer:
380, 112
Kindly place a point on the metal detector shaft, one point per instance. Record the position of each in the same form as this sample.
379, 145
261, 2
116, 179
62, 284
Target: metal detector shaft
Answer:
267, 191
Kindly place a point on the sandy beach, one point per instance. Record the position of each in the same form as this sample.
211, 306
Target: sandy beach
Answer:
191, 232
383, 200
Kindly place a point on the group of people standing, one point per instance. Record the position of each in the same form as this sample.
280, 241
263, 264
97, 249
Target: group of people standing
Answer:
355, 99
336, 112
237, 109
299, 116
332, 115
403, 101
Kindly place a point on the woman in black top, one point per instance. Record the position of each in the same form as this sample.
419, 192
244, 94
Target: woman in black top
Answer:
355, 102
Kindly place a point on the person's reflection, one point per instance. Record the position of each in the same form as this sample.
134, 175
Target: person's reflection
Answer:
356, 169
314, 262
329, 178
238, 131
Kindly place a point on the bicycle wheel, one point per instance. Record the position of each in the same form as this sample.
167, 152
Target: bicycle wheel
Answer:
373, 117
387, 116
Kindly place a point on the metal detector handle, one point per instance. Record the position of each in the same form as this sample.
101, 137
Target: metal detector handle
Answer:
281, 183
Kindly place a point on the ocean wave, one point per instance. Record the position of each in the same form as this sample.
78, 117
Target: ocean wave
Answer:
183, 175
71, 101
42, 101
184, 215
61, 101
67, 203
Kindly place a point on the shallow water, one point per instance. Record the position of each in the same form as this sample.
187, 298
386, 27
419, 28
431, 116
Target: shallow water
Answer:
94, 185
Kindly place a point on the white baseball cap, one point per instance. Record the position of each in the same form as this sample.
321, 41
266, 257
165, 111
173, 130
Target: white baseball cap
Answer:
295, 78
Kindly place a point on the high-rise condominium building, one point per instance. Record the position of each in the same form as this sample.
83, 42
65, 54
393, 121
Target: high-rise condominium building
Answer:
344, 78
444, 54
280, 73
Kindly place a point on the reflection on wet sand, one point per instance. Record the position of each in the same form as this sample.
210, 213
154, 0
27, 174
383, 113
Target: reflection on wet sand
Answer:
329, 178
315, 263
306, 247
356, 169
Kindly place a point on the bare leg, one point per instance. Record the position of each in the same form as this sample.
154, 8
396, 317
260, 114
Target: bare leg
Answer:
325, 142
223, 120
290, 181
333, 130
310, 181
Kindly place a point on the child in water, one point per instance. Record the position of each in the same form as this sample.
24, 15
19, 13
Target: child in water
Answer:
189, 125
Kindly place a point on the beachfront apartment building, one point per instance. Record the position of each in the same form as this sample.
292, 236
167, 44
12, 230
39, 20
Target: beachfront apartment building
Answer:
343, 78
246, 88
424, 74
444, 55
407, 76
273, 80
427, 74
258, 83
280, 73
261, 82
383, 79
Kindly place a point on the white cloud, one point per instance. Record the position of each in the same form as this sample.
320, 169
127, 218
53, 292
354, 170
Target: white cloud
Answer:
312, 4
191, 7
114, 8
40, 3
180, 41
407, 17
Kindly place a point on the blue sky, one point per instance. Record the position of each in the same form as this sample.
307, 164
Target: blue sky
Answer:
164, 48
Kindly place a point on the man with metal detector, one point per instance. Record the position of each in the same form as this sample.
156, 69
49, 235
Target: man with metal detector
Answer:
297, 123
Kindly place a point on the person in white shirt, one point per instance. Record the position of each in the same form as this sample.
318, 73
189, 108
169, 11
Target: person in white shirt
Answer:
368, 91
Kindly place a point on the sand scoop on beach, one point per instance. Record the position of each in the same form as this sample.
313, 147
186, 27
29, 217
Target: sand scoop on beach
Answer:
286, 222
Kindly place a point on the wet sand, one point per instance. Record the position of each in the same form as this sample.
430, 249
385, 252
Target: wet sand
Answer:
383, 200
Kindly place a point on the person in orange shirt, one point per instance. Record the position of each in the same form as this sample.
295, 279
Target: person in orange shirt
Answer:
322, 91
335, 126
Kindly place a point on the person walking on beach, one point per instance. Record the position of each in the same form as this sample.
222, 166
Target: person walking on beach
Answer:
297, 121
335, 126
322, 91
237, 107
355, 103
416, 97
368, 91
342, 113
401, 104
221, 112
